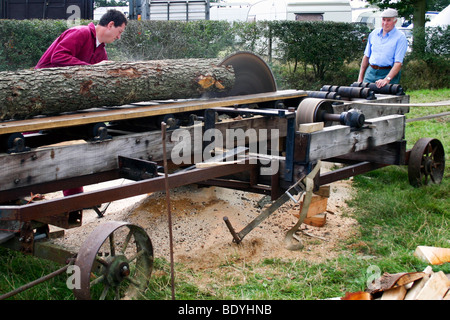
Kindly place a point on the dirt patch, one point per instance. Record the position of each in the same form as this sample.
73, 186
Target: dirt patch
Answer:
202, 240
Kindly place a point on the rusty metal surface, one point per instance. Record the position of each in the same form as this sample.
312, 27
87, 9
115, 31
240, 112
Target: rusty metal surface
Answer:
46, 208
426, 162
115, 268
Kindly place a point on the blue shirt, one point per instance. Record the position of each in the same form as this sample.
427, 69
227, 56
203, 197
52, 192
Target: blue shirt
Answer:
385, 51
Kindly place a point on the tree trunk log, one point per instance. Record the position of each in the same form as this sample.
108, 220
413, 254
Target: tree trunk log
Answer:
28, 93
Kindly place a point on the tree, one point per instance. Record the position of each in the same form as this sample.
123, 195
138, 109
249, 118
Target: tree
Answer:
318, 44
109, 3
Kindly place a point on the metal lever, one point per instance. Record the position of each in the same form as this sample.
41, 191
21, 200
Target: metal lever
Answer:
298, 187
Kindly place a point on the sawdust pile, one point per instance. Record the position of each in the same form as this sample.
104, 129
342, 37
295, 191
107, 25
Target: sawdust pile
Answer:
201, 238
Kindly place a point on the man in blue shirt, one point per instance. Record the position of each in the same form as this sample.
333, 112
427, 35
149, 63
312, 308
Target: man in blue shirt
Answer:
384, 53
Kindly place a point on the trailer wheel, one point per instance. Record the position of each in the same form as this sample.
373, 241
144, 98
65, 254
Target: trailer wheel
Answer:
115, 262
426, 162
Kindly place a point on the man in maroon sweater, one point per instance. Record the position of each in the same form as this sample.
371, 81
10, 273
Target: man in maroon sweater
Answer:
84, 45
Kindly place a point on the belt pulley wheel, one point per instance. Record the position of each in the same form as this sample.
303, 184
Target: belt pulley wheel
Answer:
252, 74
312, 110
115, 262
426, 162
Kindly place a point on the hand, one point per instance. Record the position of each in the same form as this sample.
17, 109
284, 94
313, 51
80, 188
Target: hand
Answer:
381, 82
104, 62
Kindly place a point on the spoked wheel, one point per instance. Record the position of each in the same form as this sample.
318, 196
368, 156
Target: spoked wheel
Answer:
426, 162
115, 262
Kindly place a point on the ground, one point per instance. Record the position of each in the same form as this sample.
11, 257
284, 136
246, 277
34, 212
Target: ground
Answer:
200, 236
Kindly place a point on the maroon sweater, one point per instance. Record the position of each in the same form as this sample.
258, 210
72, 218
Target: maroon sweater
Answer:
75, 46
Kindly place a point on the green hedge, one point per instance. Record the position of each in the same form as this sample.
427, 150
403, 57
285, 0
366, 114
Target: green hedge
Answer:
303, 55
23, 42
154, 40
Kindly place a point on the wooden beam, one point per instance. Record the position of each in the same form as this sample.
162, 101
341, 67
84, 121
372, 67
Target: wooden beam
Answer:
140, 110
68, 160
338, 140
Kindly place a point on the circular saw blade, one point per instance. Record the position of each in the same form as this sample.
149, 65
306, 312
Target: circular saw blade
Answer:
252, 74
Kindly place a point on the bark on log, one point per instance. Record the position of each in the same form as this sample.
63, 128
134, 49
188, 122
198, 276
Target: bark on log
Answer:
27, 93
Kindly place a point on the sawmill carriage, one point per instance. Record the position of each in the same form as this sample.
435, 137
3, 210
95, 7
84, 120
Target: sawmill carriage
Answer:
357, 126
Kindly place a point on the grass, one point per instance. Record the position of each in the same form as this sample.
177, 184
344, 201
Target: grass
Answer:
394, 218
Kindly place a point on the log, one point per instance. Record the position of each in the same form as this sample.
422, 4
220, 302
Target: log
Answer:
51, 91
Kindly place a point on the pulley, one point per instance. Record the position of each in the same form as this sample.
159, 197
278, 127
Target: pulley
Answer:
317, 110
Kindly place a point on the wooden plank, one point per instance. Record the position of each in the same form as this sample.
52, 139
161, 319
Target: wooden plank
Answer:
310, 127
418, 285
61, 162
339, 140
318, 220
435, 288
318, 205
316, 215
394, 294
133, 111
416, 288
433, 255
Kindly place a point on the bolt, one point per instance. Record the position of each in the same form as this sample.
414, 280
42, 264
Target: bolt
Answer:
125, 271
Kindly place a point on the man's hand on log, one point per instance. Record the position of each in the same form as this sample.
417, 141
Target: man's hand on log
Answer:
104, 62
